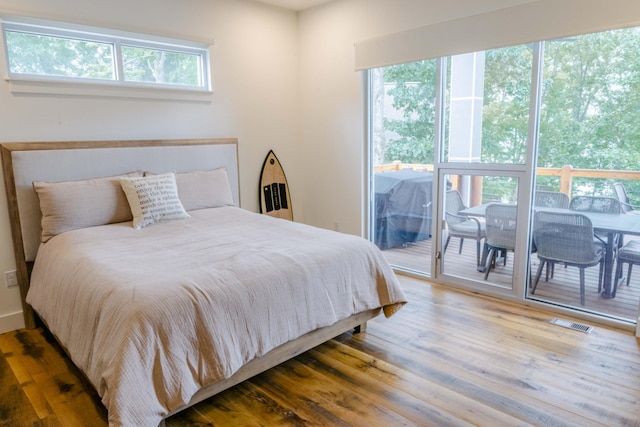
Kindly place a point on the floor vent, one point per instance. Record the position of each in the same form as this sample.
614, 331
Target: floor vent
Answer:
572, 325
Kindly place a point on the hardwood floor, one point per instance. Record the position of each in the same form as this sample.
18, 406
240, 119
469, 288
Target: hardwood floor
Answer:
448, 358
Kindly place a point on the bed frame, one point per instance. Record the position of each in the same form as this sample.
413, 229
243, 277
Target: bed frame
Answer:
24, 163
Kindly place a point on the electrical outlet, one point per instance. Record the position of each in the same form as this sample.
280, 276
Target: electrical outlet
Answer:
10, 278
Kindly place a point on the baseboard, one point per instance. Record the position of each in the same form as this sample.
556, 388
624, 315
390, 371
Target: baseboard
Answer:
11, 322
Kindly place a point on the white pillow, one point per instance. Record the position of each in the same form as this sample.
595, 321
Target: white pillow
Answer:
153, 199
70, 205
204, 189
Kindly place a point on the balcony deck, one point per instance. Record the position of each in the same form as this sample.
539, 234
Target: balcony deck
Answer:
562, 289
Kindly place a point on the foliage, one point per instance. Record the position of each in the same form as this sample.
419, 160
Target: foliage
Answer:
589, 115
41, 54
505, 115
413, 94
154, 65
58, 56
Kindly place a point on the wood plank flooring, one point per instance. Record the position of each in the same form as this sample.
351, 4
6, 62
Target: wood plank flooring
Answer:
448, 358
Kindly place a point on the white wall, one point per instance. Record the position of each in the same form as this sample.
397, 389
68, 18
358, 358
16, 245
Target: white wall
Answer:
330, 92
255, 78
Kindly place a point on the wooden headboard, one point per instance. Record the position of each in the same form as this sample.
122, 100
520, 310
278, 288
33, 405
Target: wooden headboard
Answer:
26, 162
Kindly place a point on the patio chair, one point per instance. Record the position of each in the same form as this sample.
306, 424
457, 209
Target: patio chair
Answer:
567, 238
501, 233
595, 204
551, 199
601, 205
630, 254
625, 202
460, 226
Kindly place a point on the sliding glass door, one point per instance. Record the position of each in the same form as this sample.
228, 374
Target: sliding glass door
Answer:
588, 145
481, 238
452, 136
403, 142
482, 162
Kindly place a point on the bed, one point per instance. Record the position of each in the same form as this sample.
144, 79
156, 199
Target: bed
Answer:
184, 294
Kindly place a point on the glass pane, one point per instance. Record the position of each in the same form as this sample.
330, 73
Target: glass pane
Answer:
161, 66
590, 111
480, 228
588, 146
403, 123
59, 56
488, 98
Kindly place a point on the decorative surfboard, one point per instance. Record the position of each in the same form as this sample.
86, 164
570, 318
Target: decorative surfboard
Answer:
275, 200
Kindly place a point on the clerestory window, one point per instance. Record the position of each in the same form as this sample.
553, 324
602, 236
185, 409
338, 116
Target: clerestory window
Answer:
51, 51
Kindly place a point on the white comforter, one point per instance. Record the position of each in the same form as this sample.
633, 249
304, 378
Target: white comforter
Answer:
153, 315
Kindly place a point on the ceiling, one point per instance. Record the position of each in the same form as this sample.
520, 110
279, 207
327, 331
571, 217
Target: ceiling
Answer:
296, 5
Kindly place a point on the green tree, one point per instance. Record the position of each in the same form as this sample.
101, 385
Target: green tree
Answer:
161, 66
589, 117
59, 56
505, 114
412, 89
41, 54
590, 109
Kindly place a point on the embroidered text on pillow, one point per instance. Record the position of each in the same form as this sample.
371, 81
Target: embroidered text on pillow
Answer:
153, 199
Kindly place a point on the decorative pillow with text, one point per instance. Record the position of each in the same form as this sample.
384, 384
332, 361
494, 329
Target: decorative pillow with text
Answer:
153, 199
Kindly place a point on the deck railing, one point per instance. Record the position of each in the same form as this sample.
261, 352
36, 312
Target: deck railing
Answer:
565, 173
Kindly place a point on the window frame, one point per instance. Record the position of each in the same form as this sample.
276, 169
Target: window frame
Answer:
526, 172
118, 86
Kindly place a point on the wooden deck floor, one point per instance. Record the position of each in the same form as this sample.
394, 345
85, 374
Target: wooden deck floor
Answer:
563, 289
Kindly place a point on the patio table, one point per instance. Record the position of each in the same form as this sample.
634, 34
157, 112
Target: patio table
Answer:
608, 223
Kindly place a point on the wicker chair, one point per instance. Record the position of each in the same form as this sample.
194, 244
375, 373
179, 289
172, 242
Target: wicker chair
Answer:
630, 254
624, 200
501, 232
601, 205
462, 227
595, 204
551, 199
567, 238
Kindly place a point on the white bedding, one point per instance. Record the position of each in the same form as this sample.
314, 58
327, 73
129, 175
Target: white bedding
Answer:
152, 315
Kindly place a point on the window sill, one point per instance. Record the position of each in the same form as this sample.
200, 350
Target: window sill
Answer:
105, 89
